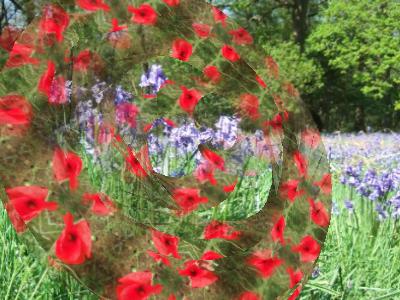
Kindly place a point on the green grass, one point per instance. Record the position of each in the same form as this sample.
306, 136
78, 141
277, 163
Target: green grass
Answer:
360, 259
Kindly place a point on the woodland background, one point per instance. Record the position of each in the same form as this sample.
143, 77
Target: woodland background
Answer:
342, 55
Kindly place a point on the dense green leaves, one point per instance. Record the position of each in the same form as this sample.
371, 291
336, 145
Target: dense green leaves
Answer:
362, 39
346, 64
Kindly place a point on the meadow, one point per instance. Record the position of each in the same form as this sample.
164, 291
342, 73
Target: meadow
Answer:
360, 258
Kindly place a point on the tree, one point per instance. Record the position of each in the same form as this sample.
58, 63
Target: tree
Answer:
360, 41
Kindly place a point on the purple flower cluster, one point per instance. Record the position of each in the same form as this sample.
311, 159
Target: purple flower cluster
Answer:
370, 165
122, 96
186, 138
395, 204
226, 132
153, 79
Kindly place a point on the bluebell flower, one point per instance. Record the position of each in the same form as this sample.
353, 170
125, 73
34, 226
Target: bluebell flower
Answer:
349, 206
226, 132
206, 135
153, 79
395, 205
98, 91
382, 213
185, 138
122, 96
155, 144
315, 273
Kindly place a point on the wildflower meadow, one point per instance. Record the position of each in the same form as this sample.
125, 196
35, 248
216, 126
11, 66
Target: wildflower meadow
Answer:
360, 259
180, 149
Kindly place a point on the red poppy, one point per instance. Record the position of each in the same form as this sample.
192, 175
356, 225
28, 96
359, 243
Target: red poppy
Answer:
189, 99
218, 230
126, 113
138, 286
58, 92
308, 248
276, 123
172, 2
29, 201
202, 30
8, 37
205, 172
249, 296
261, 81
147, 127
249, 105
301, 163
199, 277
318, 213
212, 157
134, 166
295, 294
230, 53
211, 255
159, 258
169, 122
101, 203
46, 80
272, 66
219, 16
93, 5
144, 14
295, 277
67, 166
212, 73
278, 230
82, 60
325, 184
230, 188
264, 262
241, 36
106, 133
15, 110
115, 27
21, 55
188, 199
55, 20
166, 244
181, 49
171, 297
289, 190
15, 218
311, 138
149, 96
74, 245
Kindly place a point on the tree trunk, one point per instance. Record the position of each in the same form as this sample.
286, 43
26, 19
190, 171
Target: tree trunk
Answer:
300, 23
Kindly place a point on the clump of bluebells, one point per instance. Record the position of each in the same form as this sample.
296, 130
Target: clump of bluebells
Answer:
153, 79
370, 166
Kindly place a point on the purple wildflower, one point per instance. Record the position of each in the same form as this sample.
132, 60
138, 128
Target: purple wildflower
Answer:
122, 96
226, 132
349, 206
153, 79
382, 213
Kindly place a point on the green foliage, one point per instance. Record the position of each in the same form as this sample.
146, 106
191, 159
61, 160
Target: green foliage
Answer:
347, 70
362, 39
303, 72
